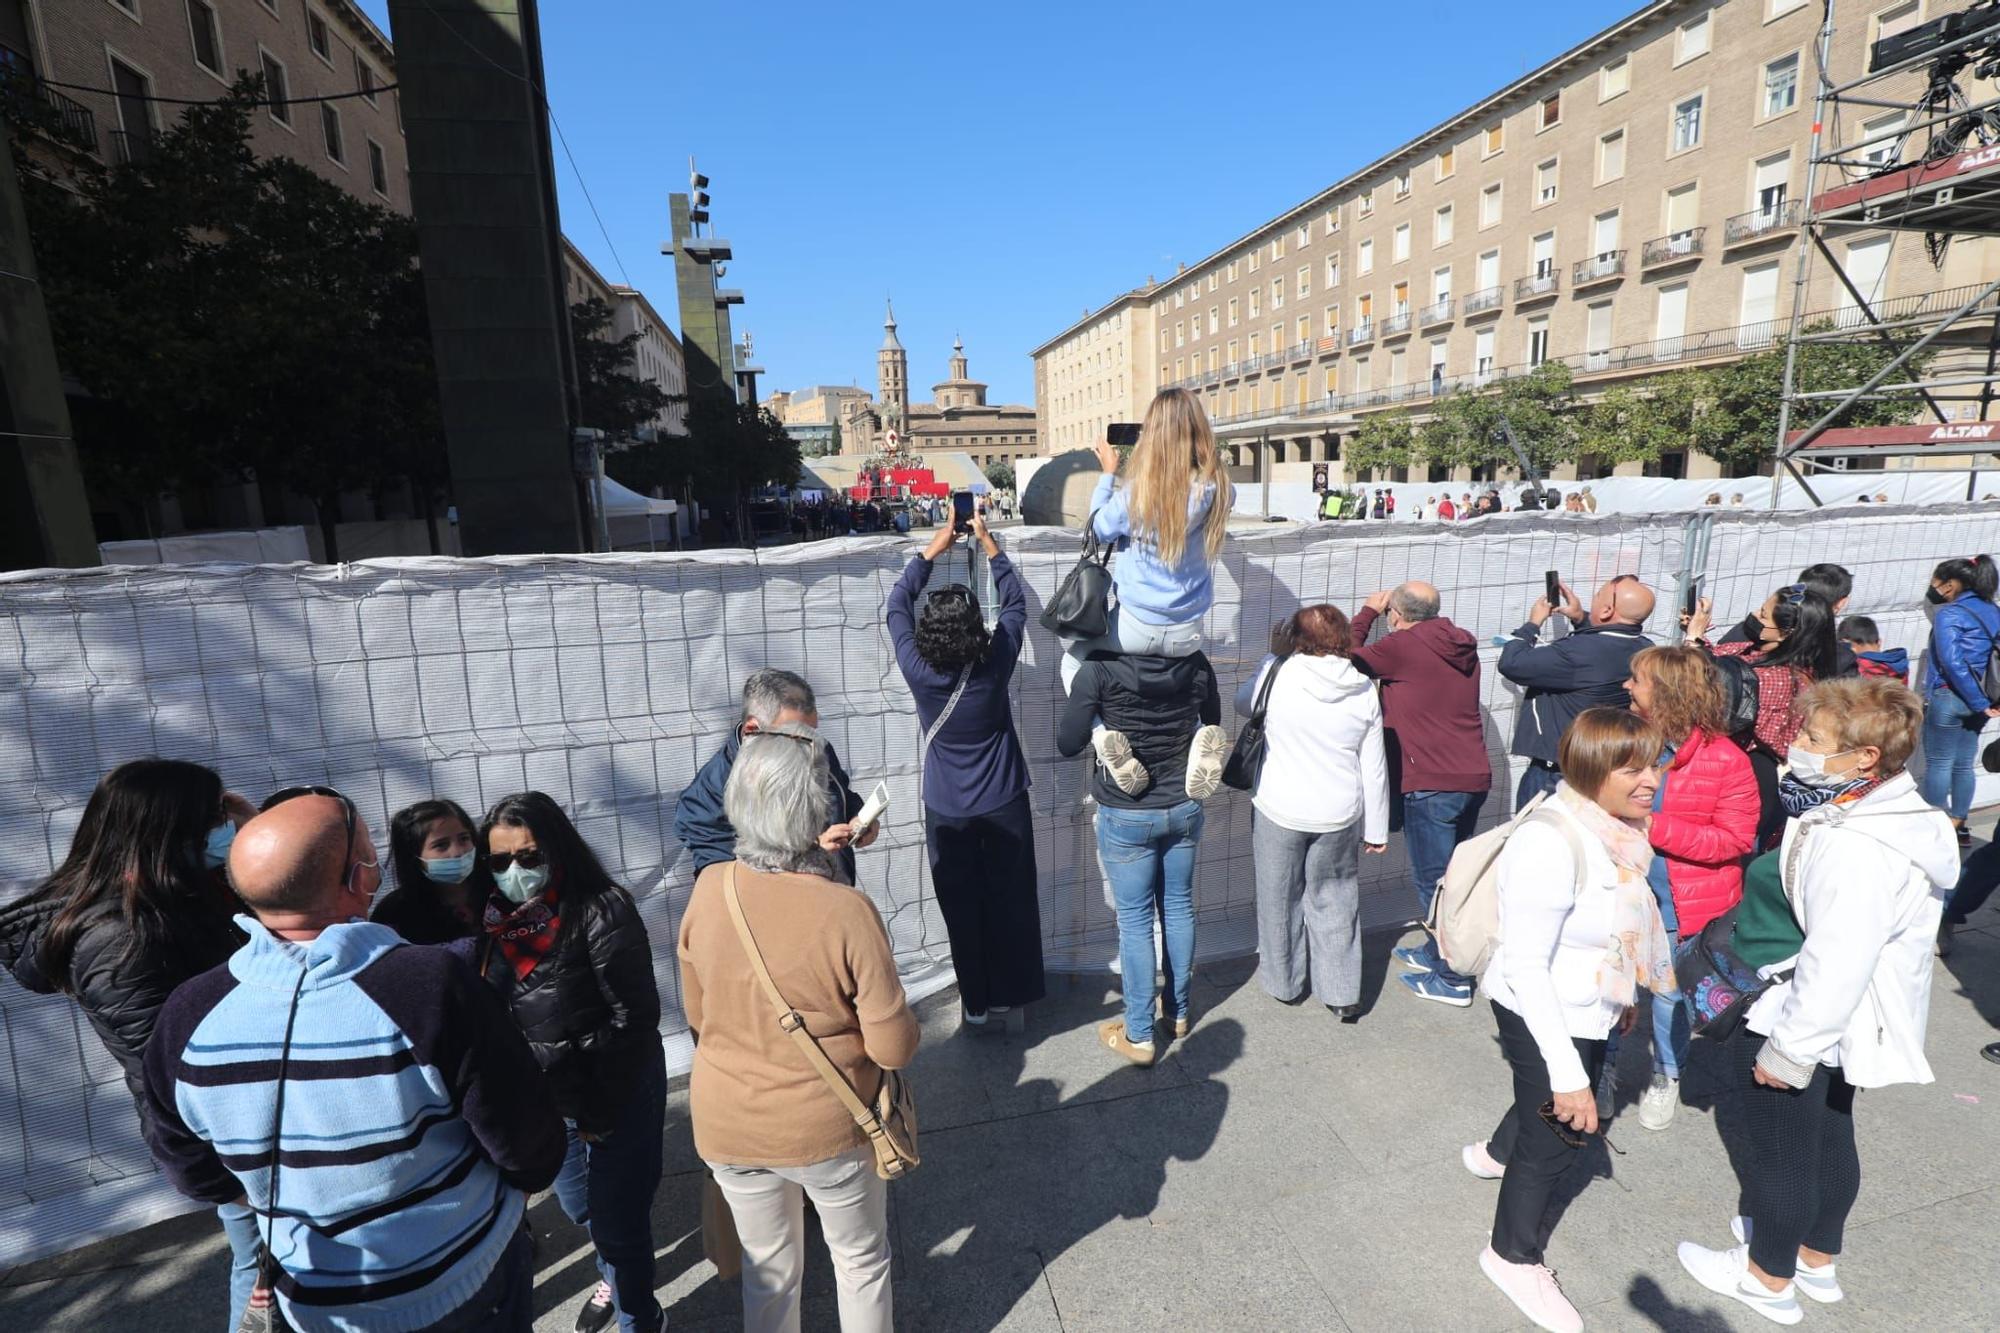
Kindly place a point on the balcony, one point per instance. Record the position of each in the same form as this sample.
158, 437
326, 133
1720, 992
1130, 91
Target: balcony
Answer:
1301, 351
27, 101
1437, 312
1484, 300
1606, 267
1762, 223
1538, 286
1396, 325
1330, 343
129, 148
1364, 332
1680, 248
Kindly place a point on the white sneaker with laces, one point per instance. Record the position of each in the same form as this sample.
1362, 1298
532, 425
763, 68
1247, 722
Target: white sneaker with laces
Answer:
1206, 759
1659, 1101
1818, 1283
1727, 1273
1534, 1291
1114, 751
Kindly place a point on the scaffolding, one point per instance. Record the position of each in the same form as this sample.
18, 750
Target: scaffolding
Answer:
1935, 170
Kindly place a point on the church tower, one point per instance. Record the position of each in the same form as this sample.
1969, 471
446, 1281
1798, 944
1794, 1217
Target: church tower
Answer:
892, 381
960, 390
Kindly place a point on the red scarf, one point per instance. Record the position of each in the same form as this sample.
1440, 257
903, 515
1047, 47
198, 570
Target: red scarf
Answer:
527, 933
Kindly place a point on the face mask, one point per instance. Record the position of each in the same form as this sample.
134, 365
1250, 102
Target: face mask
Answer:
1934, 597
450, 869
215, 851
518, 884
1810, 768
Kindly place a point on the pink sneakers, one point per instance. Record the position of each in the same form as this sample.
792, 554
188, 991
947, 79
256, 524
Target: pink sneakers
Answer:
1479, 1161
1533, 1289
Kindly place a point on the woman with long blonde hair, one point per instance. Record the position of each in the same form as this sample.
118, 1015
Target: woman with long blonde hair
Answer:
1170, 517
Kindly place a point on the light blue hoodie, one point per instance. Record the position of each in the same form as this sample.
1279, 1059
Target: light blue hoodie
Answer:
1148, 588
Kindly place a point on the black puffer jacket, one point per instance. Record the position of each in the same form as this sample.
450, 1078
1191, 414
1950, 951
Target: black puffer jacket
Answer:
120, 988
590, 1010
1158, 702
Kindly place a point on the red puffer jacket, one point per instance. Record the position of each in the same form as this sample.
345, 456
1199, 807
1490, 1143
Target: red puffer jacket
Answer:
1706, 824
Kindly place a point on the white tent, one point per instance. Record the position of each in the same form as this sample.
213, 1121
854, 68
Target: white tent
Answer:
637, 521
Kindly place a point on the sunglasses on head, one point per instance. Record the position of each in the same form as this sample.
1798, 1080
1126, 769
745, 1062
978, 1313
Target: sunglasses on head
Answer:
1792, 593
283, 794
528, 859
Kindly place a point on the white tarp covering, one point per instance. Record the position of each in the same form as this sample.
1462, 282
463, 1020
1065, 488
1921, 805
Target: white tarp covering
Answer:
607, 681
265, 546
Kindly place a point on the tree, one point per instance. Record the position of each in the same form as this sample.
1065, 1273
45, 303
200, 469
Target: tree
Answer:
1464, 429
1385, 440
1636, 423
1000, 474
1738, 425
613, 399
730, 449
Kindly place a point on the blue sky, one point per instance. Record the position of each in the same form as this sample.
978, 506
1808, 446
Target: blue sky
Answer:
995, 167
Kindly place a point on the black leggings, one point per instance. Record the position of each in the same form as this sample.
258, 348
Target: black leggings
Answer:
983, 871
1802, 1172
1535, 1157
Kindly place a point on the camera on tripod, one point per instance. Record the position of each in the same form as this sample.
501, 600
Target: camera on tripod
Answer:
1918, 42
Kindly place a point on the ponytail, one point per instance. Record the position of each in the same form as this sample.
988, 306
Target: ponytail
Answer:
1977, 575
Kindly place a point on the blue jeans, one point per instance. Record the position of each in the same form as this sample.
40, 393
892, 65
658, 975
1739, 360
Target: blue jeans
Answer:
1535, 781
608, 1187
1435, 822
1133, 637
505, 1302
1951, 744
1149, 859
1670, 1029
239, 1224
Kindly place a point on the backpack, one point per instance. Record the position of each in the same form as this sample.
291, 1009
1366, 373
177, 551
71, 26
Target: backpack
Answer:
1465, 911
1739, 694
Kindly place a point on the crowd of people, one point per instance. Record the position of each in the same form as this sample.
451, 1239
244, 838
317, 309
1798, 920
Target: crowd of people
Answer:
1441, 507
367, 1086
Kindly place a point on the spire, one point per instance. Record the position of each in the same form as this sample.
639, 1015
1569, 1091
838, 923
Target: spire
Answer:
889, 330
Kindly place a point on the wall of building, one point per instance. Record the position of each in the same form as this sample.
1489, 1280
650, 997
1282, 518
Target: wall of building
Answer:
1099, 370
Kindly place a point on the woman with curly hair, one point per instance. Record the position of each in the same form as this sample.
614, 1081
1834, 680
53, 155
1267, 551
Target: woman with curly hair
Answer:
975, 780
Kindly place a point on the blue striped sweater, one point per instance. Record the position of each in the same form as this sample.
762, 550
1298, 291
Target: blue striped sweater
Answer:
415, 1117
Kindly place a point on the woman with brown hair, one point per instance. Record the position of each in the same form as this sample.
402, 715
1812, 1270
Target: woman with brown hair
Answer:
1580, 937
1323, 795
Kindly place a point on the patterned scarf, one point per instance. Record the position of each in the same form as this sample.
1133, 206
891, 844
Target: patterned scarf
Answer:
1637, 954
527, 933
1799, 798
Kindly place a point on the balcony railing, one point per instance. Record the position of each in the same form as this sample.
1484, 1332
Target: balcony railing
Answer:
1674, 249
1364, 332
1604, 267
1761, 222
26, 100
1396, 324
1536, 286
1437, 312
1486, 298
1301, 351
1330, 343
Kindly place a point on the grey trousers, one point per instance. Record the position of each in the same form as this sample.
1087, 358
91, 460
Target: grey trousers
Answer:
1308, 912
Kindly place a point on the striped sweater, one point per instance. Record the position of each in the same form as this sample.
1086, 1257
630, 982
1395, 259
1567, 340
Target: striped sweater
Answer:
415, 1118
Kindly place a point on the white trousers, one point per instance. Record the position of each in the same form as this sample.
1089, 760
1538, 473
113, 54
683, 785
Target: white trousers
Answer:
768, 1204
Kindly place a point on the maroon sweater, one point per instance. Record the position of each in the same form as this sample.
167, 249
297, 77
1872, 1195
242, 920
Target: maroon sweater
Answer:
1430, 704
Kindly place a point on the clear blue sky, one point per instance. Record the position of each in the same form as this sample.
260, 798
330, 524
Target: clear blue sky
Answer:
995, 167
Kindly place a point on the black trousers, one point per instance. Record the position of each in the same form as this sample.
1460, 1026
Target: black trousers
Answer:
1802, 1172
1770, 808
1534, 1155
983, 868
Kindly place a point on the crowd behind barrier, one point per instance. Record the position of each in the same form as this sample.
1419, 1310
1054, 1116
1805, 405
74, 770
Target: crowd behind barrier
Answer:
606, 682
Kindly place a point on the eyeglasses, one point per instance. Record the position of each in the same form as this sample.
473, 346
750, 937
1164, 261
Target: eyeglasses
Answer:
283, 794
1573, 1138
528, 858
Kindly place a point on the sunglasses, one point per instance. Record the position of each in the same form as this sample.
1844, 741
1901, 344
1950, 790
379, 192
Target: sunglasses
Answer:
529, 859
1792, 593
283, 794
1572, 1137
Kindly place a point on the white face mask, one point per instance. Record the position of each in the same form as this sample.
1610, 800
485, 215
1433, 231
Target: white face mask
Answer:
1810, 768
517, 883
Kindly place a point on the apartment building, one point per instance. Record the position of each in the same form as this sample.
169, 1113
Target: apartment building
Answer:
112, 56
656, 357
1096, 371
1630, 206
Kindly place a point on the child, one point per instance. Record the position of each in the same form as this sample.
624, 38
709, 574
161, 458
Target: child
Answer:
1870, 657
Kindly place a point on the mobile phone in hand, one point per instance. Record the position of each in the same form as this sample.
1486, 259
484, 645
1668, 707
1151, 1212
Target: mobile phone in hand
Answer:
1552, 586
961, 511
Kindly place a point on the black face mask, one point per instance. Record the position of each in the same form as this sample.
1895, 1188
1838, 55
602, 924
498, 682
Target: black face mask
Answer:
1934, 597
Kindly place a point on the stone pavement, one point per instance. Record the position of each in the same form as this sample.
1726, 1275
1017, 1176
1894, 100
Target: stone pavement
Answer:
1278, 1170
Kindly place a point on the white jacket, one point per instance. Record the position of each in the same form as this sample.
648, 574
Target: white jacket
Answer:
1324, 764
1867, 884
1552, 940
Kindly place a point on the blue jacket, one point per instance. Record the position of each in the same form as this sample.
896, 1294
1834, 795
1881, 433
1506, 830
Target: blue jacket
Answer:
1584, 669
1148, 588
1963, 633
705, 831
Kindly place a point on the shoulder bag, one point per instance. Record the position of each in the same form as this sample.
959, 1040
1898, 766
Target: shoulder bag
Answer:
1081, 607
890, 1124
1720, 987
1246, 758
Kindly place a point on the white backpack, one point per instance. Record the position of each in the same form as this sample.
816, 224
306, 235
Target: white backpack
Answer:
1465, 911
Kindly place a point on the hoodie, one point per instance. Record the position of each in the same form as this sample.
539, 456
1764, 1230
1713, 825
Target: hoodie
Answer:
1891, 662
1150, 589
1430, 703
1867, 884
415, 1120
1324, 763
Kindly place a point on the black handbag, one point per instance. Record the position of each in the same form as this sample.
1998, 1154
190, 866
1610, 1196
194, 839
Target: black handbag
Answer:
1246, 758
1081, 607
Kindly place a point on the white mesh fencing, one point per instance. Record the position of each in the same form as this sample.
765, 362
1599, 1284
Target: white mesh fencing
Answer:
607, 682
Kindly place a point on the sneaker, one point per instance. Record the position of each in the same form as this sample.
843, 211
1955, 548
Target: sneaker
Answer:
1205, 760
1533, 1289
1479, 1161
597, 1312
1412, 957
1114, 751
1346, 1013
1607, 1093
1818, 1283
1727, 1273
1430, 986
1945, 929
1112, 1034
1991, 1052
977, 1020
1659, 1101
1180, 1024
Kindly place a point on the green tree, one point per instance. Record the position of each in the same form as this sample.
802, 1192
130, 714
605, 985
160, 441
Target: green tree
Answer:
1738, 425
613, 399
730, 449
1385, 440
1000, 474
1636, 423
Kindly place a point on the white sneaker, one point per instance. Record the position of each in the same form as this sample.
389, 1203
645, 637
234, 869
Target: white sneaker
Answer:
1659, 1101
1205, 762
1114, 751
1480, 1162
1727, 1273
1817, 1283
1533, 1289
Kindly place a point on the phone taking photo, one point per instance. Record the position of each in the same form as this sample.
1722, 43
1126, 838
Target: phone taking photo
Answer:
961, 511
1122, 434
1552, 588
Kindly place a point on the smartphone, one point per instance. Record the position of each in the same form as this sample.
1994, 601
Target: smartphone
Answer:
961, 511
1690, 598
871, 809
1122, 434
1552, 585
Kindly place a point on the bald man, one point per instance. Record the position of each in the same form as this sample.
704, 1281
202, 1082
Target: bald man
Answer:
1586, 668
413, 1119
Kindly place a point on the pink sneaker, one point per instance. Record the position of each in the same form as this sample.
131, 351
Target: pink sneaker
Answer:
1480, 1162
1533, 1289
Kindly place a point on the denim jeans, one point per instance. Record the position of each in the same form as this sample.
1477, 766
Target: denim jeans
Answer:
608, 1187
1951, 744
239, 1224
1149, 859
1535, 781
505, 1302
1134, 636
1670, 1030
1435, 822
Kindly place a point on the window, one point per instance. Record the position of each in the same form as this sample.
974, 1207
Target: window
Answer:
1495, 140
1771, 184
1399, 243
1759, 312
1303, 282
364, 79
1441, 284
1365, 257
1332, 321
329, 124
1538, 340
1403, 185
1489, 205
1489, 270
1180, 300
1399, 299
1302, 235
1278, 246
1180, 333
129, 6
207, 37
1614, 79
1277, 293
1364, 307
1256, 302
1885, 130
378, 169
1166, 341
1444, 164
1256, 260
1232, 315
1597, 336
1544, 248
1256, 345
1780, 8
1213, 282
1781, 85
1367, 203
1670, 318
1332, 269
1604, 234
1545, 183
1397, 362
1897, 18
276, 88
1361, 374
1214, 321
1552, 110
1232, 352
1610, 156
1867, 266
1691, 40
1482, 353
1232, 270
1687, 124
1683, 205
1305, 330
317, 37
136, 123
1441, 226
